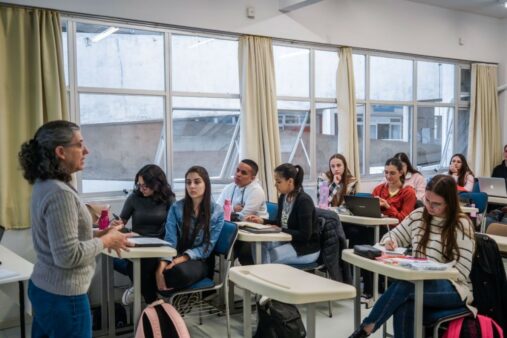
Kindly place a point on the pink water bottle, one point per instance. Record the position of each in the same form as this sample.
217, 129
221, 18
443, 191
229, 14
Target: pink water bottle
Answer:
227, 210
104, 219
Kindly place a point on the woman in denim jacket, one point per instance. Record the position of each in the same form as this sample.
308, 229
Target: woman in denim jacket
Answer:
193, 226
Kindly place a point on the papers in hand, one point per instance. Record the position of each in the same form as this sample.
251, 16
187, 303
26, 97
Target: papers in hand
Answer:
147, 241
258, 228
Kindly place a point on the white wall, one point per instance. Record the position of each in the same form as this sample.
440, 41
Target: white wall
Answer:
390, 25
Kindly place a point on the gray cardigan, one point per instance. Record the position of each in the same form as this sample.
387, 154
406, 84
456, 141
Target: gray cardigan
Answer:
63, 239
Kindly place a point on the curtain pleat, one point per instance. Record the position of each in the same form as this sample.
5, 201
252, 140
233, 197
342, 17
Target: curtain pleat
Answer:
259, 136
484, 139
32, 92
348, 144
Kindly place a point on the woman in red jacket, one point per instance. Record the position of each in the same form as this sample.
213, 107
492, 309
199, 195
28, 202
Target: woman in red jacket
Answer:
395, 200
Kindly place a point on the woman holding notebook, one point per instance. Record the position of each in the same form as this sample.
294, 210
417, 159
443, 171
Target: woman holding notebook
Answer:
296, 216
441, 232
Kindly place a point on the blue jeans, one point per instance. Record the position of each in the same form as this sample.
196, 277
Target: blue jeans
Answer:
56, 316
398, 300
284, 253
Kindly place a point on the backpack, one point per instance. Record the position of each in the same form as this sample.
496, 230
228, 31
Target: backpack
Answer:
469, 327
279, 320
161, 320
489, 280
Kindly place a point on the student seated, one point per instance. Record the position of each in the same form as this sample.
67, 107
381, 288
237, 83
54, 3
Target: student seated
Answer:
193, 227
339, 179
396, 201
497, 212
296, 216
460, 171
413, 178
147, 205
441, 232
247, 198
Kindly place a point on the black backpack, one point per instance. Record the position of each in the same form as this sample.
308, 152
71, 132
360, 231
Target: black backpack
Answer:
279, 320
489, 281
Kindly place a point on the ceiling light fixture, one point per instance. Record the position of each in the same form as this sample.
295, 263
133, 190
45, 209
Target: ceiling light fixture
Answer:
104, 34
505, 4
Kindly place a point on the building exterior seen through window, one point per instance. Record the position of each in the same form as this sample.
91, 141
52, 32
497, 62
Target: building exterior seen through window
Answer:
155, 95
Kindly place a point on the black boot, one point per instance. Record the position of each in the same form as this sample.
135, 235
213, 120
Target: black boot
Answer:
359, 333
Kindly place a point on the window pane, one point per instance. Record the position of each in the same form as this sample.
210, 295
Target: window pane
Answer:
434, 136
203, 130
463, 122
119, 58
435, 82
326, 65
359, 74
465, 84
123, 133
65, 51
294, 125
292, 71
203, 64
391, 79
390, 133
99, 108
327, 134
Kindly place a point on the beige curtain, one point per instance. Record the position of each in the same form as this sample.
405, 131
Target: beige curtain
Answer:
32, 91
484, 141
260, 139
348, 144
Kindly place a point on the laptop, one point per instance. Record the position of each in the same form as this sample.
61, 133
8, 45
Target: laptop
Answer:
493, 186
363, 206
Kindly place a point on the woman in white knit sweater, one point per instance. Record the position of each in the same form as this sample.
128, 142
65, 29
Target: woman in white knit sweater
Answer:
440, 232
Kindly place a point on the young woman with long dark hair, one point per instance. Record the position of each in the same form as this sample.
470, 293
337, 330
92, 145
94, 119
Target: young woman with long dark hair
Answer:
339, 179
441, 232
413, 177
461, 172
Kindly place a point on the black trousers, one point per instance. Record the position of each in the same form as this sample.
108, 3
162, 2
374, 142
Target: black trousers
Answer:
148, 270
185, 274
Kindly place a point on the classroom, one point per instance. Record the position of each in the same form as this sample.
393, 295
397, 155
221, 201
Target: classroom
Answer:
209, 83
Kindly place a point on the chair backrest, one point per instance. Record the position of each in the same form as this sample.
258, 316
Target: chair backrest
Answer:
272, 209
480, 199
499, 229
226, 239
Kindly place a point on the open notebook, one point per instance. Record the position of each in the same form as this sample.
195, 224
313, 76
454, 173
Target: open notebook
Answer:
258, 228
147, 241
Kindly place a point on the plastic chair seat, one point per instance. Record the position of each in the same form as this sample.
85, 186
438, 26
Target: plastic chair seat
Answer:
434, 316
205, 283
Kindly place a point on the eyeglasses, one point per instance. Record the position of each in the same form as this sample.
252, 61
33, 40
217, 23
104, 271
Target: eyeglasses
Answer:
79, 145
142, 186
433, 205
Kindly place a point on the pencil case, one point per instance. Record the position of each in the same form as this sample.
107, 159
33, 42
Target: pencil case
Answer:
367, 251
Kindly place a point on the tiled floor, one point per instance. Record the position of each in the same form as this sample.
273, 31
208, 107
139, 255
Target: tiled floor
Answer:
339, 326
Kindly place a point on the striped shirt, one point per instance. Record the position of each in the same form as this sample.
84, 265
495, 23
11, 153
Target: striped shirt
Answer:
410, 231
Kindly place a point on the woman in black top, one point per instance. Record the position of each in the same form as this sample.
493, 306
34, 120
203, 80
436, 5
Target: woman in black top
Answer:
148, 206
296, 216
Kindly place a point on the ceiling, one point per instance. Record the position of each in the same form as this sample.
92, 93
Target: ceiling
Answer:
492, 8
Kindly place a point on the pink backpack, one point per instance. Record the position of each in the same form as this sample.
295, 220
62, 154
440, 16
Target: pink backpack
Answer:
161, 320
486, 325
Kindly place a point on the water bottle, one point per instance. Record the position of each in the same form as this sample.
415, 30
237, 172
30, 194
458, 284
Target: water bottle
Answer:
227, 210
323, 195
104, 219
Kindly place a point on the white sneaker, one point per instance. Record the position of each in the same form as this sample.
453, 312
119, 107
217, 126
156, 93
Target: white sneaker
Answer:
128, 296
367, 301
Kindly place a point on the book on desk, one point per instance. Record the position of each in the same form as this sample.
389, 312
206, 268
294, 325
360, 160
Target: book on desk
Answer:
258, 228
139, 241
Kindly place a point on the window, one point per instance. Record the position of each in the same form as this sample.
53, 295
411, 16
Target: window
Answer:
416, 117
127, 95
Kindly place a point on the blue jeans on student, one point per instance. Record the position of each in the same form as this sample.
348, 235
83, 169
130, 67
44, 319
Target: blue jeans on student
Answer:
398, 300
284, 253
56, 316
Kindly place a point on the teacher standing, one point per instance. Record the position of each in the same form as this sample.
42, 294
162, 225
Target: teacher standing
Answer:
62, 233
